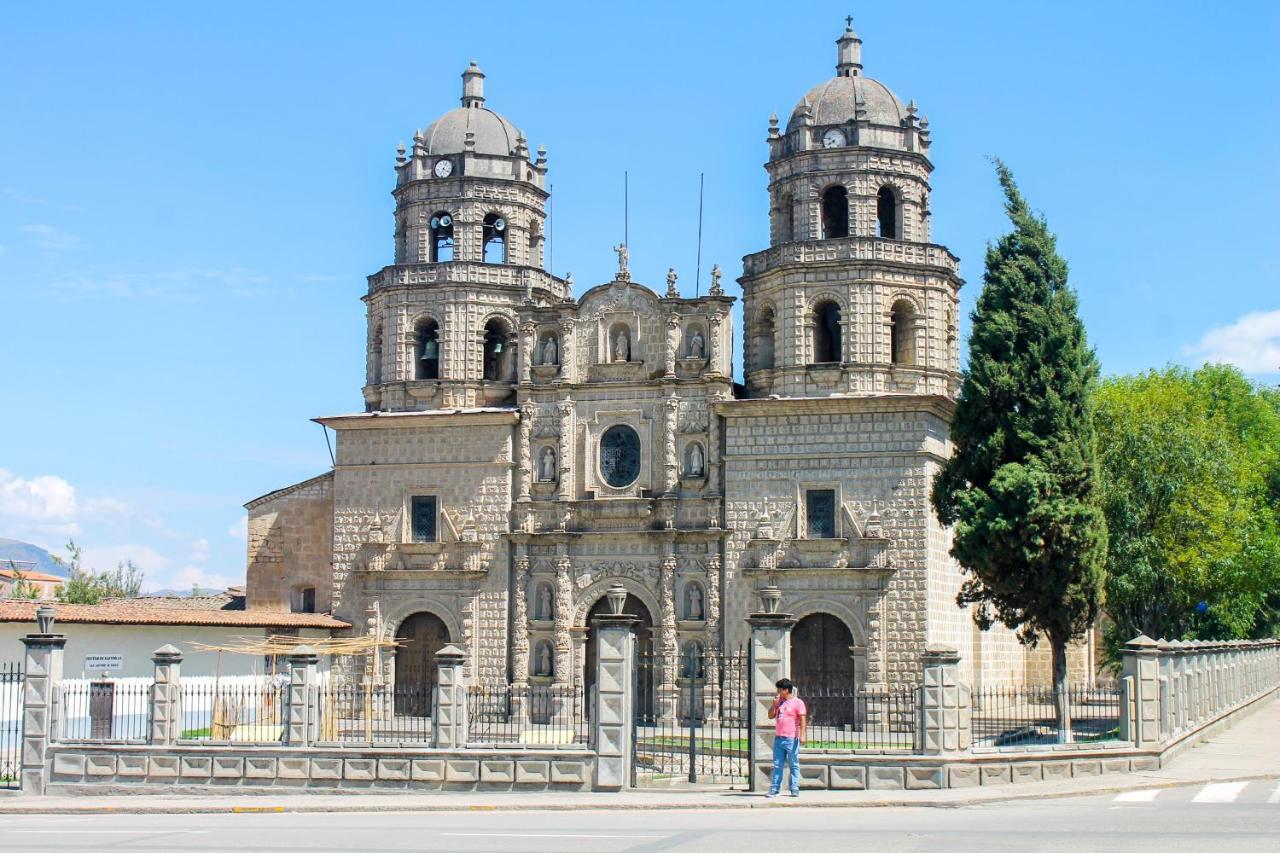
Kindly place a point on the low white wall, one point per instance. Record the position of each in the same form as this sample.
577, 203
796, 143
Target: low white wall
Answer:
138, 642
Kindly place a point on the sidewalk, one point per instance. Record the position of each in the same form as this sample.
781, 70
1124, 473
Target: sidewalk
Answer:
1248, 751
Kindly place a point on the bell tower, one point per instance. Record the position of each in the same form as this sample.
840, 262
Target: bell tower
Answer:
851, 297
470, 224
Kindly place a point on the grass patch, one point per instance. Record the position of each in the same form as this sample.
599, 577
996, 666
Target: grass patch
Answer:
194, 734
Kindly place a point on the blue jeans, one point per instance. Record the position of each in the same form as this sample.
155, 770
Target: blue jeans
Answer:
786, 750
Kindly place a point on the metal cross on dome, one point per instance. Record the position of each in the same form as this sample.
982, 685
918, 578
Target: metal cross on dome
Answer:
848, 22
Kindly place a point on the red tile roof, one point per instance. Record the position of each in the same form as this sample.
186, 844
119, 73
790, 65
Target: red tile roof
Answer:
200, 610
10, 574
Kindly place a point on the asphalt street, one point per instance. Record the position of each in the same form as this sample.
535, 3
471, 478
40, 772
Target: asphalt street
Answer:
1236, 816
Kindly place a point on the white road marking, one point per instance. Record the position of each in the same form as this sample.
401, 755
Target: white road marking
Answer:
1137, 796
106, 831
1220, 792
537, 835
1275, 795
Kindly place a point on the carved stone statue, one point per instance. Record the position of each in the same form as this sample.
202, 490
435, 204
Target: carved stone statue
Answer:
547, 465
695, 602
549, 351
696, 460
546, 610
672, 292
697, 345
621, 249
622, 346
544, 659
716, 289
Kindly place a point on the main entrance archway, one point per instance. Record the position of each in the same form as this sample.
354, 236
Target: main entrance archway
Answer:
644, 638
421, 636
822, 653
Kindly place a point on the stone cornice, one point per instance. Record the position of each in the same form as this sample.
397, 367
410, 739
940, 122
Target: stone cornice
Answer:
942, 407
435, 417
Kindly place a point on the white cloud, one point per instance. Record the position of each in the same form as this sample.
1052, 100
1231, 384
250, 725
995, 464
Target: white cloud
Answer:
49, 239
199, 551
240, 530
103, 558
1251, 343
44, 499
188, 576
183, 285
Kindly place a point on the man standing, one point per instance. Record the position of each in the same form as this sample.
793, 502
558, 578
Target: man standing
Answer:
792, 721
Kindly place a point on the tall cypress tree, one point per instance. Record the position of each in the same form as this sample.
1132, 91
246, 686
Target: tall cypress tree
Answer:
1022, 486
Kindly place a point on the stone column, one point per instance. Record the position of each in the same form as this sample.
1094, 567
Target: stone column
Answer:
527, 344
524, 458
771, 661
711, 612
565, 452
673, 345
41, 676
449, 723
713, 345
566, 347
302, 726
667, 642
613, 714
520, 620
564, 621
945, 724
670, 463
1140, 715
166, 696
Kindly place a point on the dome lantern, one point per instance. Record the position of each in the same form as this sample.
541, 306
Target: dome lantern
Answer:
473, 86
848, 52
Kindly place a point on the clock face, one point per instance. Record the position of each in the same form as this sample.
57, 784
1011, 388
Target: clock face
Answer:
443, 168
832, 139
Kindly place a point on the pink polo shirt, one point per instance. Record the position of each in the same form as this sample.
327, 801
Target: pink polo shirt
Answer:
788, 711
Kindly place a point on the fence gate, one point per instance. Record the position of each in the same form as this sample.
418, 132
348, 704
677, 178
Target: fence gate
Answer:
10, 725
692, 719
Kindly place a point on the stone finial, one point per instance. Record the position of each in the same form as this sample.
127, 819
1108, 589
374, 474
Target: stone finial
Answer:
542, 156
473, 86
672, 293
770, 599
617, 596
166, 654
716, 289
773, 126
469, 143
401, 159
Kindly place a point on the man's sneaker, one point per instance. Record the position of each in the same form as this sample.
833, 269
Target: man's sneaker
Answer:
795, 793
771, 794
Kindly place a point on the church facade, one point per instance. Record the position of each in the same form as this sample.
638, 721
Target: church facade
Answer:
521, 450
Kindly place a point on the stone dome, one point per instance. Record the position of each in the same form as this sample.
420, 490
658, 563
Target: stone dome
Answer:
492, 133
836, 101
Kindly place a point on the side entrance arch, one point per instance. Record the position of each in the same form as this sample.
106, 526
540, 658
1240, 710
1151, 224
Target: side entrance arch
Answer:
644, 642
822, 654
421, 636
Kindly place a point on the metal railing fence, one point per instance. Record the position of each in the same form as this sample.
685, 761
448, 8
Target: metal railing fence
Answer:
529, 714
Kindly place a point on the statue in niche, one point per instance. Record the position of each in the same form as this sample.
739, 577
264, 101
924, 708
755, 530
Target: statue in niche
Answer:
544, 659
693, 609
622, 346
696, 460
549, 350
697, 345
546, 609
547, 465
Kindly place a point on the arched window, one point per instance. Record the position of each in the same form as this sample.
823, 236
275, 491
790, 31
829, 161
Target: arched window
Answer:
835, 212
826, 333
787, 219
441, 237
375, 357
902, 333
495, 239
496, 349
887, 214
426, 350
764, 338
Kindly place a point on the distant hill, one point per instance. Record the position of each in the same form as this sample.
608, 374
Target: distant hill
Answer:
12, 549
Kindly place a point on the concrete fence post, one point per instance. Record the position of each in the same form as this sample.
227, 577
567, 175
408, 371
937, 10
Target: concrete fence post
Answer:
771, 661
945, 724
41, 677
166, 696
614, 713
1140, 717
302, 725
449, 724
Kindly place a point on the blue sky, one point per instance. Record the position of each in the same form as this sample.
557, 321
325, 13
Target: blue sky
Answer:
191, 197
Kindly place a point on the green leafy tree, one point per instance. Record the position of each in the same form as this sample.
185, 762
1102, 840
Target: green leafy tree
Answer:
1022, 488
85, 586
23, 589
1190, 464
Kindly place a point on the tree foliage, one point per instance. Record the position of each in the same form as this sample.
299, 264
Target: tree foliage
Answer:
85, 586
23, 589
1021, 488
1191, 469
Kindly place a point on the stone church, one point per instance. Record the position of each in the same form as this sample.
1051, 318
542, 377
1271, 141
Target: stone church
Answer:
521, 450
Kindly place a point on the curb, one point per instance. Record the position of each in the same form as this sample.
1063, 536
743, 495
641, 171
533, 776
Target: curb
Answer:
729, 804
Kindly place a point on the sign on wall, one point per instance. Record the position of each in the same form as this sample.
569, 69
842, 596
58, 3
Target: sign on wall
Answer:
103, 663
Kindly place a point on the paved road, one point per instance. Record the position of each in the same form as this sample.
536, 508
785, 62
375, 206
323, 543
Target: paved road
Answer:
1235, 816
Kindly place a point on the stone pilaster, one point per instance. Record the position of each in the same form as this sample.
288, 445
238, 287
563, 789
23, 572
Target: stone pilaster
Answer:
527, 343
449, 723
946, 716
673, 345
614, 713
670, 462
302, 726
565, 451
520, 621
524, 457
567, 362
42, 676
771, 661
166, 696
713, 345
564, 621
667, 642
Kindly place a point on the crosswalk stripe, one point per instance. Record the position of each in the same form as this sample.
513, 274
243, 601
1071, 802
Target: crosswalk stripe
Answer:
1275, 795
1137, 796
1220, 792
